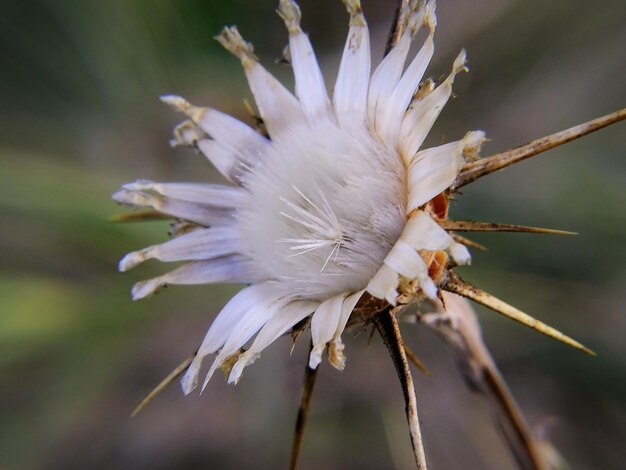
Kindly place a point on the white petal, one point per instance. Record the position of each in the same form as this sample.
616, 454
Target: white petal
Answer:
351, 87
222, 327
215, 195
384, 80
203, 244
282, 321
423, 233
346, 310
278, 107
229, 269
460, 254
387, 74
336, 356
249, 324
434, 170
323, 326
384, 284
420, 118
243, 141
406, 261
310, 86
401, 97
201, 214
222, 158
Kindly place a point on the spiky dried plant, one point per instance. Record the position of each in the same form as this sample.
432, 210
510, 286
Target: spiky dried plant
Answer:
336, 217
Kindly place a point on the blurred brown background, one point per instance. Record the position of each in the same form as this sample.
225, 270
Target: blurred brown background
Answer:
80, 115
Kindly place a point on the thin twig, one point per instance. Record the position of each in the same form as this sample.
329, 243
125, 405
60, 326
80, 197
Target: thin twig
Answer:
484, 166
303, 412
387, 326
459, 328
177, 372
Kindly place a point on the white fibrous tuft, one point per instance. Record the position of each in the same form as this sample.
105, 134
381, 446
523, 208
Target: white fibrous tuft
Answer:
326, 205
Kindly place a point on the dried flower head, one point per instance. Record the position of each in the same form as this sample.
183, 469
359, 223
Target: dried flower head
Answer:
333, 205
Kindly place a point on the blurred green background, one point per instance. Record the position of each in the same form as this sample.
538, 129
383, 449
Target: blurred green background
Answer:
80, 115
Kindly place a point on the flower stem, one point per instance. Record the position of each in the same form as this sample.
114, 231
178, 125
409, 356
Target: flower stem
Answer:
303, 412
387, 325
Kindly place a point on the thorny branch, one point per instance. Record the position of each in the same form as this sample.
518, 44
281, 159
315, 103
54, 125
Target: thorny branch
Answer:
485, 166
387, 325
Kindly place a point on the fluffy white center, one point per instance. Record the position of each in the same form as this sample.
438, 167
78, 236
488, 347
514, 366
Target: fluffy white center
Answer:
326, 205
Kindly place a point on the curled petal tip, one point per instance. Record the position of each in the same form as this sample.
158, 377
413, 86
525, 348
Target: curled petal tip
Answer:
139, 185
182, 105
429, 288
460, 62
316, 356
120, 196
132, 198
187, 134
145, 289
177, 102
355, 11
231, 40
235, 374
131, 260
189, 382
460, 254
289, 11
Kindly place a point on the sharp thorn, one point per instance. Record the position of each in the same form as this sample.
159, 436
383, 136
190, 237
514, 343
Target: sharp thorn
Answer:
177, 372
411, 356
139, 216
470, 226
467, 242
460, 287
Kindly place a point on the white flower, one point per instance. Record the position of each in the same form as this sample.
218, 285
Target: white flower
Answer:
330, 205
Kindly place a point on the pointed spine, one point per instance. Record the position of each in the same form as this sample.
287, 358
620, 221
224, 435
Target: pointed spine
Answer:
462, 288
471, 226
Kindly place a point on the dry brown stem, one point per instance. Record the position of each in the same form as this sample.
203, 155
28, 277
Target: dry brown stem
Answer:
476, 169
387, 325
306, 394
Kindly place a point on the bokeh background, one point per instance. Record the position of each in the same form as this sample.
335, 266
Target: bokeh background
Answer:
79, 115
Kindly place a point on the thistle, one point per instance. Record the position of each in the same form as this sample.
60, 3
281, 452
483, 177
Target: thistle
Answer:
334, 215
